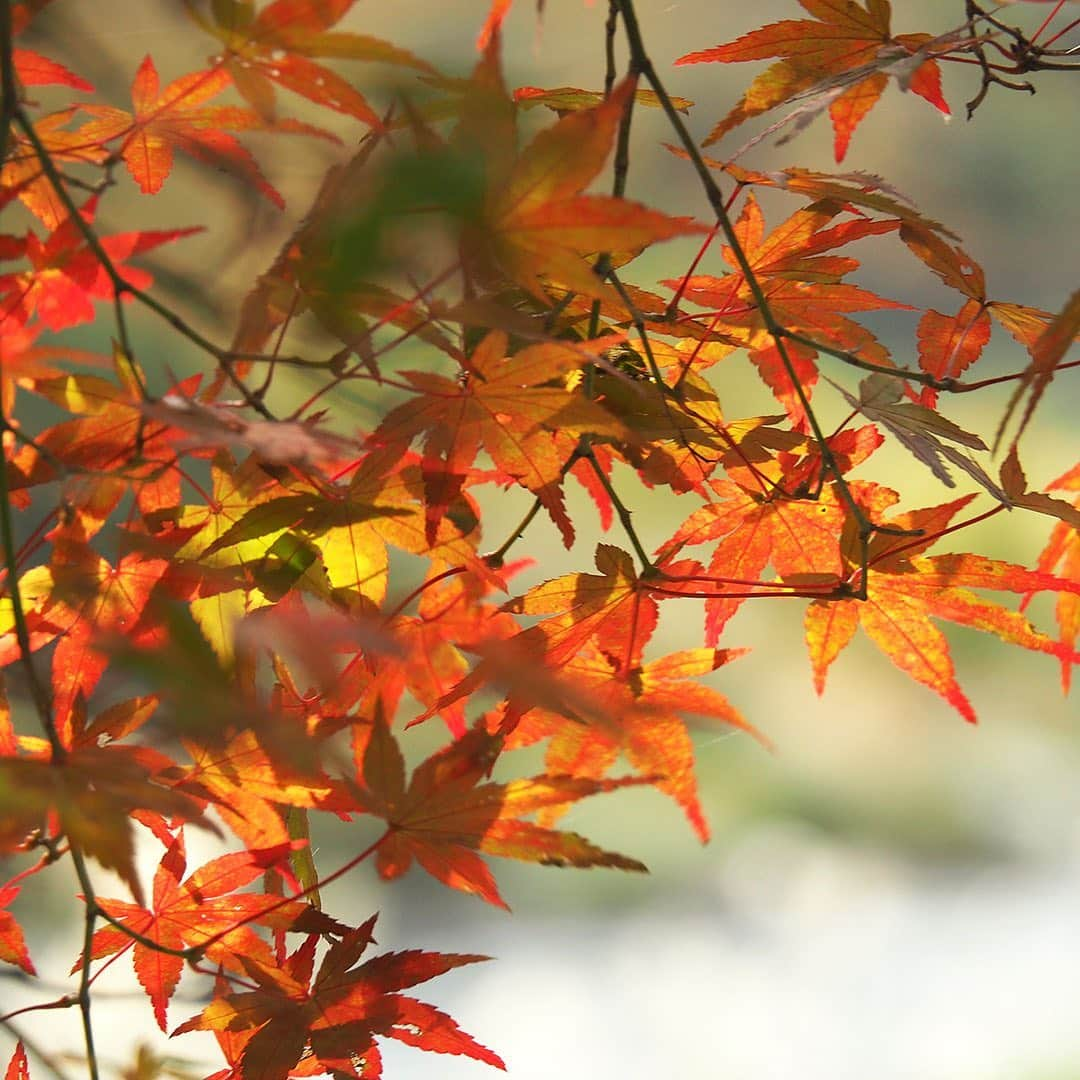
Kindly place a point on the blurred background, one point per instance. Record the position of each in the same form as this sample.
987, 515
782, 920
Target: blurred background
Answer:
892, 893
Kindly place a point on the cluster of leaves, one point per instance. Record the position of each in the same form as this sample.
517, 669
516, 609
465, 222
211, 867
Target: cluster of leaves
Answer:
233, 562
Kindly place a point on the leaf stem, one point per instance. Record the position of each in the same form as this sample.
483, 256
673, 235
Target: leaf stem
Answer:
495, 559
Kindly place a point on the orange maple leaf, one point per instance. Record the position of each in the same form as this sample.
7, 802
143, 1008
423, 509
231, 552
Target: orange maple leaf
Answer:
804, 289
444, 815
273, 46
615, 608
842, 56
518, 408
534, 223
644, 709
247, 786
452, 616
800, 538
82, 600
23, 176
97, 448
178, 118
905, 589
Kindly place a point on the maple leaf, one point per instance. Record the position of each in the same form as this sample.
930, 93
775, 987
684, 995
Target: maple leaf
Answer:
33, 69
444, 815
18, 1067
518, 408
178, 118
644, 708
1047, 352
81, 599
566, 99
1014, 482
862, 189
97, 448
803, 288
674, 433
800, 538
615, 607
493, 23
65, 275
94, 792
236, 491
534, 222
905, 589
189, 914
921, 430
26, 361
841, 56
1062, 556
273, 46
23, 176
331, 1021
451, 618
948, 345
247, 785
349, 527
13, 948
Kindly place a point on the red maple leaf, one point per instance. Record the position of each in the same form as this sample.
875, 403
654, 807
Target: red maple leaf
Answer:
65, 275
33, 69
18, 1067
13, 948
332, 1020
204, 908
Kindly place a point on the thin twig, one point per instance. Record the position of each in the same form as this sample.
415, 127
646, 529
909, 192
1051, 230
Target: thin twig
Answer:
90, 919
642, 64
